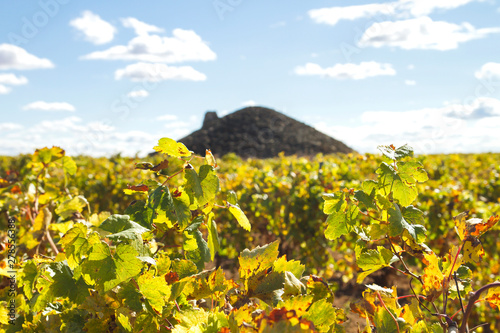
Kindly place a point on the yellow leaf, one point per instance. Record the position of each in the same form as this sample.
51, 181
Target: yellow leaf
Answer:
171, 147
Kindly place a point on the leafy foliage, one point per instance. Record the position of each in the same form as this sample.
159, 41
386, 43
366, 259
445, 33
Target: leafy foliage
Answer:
154, 263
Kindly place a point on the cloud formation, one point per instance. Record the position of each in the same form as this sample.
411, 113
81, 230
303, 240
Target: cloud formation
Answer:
396, 9
421, 33
140, 27
12, 80
447, 129
46, 106
184, 45
248, 103
143, 71
15, 57
489, 71
347, 71
93, 28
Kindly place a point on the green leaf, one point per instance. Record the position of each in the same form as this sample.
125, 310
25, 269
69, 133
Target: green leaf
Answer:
146, 322
69, 165
201, 188
184, 268
232, 198
322, 314
390, 181
342, 217
154, 289
294, 266
168, 209
108, 271
75, 205
191, 321
258, 259
373, 260
197, 247
27, 277
384, 322
140, 212
76, 244
130, 296
213, 236
240, 217
172, 148
337, 226
61, 285
334, 202
48, 155
365, 199
121, 223
412, 172
396, 153
397, 224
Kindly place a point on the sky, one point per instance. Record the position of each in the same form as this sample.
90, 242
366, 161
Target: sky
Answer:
106, 77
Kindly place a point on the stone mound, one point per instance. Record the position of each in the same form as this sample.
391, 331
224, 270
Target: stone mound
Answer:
262, 133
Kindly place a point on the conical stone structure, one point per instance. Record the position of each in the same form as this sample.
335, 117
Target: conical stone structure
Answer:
260, 132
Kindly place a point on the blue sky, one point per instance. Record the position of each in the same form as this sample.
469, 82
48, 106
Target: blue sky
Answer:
99, 77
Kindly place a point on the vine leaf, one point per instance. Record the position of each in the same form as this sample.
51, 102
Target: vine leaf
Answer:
397, 223
213, 236
77, 244
240, 216
433, 277
342, 216
373, 260
107, 271
171, 147
169, 209
394, 153
154, 289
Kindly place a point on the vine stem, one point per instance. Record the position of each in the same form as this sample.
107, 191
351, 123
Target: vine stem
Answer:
407, 270
385, 307
51, 242
472, 301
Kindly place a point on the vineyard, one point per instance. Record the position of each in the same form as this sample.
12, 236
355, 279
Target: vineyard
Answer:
178, 242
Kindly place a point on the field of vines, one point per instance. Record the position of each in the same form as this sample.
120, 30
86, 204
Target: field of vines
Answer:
175, 242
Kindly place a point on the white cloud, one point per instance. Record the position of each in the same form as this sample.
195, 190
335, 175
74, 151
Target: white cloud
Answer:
15, 57
426, 7
411, 67
140, 27
12, 79
10, 127
158, 72
421, 33
398, 9
167, 117
490, 70
347, 71
138, 93
451, 128
93, 28
4, 89
410, 82
333, 15
184, 45
46, 106
248, 103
